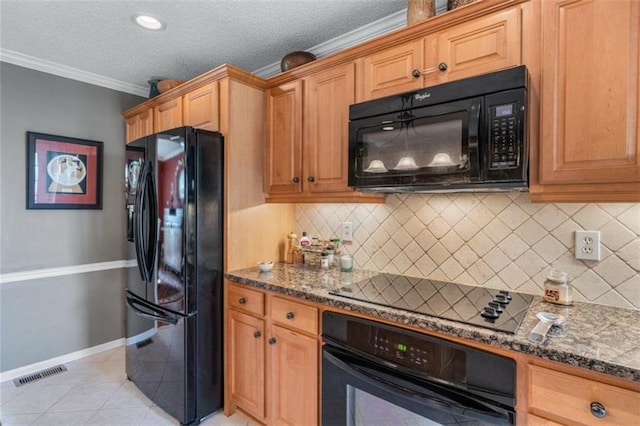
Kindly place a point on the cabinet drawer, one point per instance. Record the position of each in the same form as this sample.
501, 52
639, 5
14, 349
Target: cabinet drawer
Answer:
564, 397
246, 300
294, 315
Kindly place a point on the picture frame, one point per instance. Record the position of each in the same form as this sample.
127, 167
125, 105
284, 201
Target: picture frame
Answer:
63, 172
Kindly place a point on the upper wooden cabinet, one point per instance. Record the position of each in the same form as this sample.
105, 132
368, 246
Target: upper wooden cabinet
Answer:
200, 107
307, 138
139, 125
328, 95
589, 148
478, 46
284, 139
390, 71
167, 115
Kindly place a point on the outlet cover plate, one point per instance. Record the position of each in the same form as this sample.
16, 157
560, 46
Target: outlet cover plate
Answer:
347, 231
588, 245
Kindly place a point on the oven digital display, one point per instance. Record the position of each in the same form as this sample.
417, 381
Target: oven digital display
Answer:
401, 347
504, 110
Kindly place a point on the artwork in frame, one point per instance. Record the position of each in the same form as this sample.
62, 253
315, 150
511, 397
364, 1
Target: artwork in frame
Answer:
63, 172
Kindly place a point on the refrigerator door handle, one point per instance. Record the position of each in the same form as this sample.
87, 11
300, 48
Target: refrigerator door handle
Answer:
155, 314
152, 238
137, 223
145, 242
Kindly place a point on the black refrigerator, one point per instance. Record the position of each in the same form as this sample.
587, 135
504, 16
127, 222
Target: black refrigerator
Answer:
174, 196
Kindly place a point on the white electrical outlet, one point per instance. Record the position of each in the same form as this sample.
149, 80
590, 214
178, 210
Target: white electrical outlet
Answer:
347, 231
588, 245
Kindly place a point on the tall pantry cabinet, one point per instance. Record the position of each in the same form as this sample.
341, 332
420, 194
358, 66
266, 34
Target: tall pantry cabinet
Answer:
231, 101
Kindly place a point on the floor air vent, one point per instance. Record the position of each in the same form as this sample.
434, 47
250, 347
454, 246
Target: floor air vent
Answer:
39, 375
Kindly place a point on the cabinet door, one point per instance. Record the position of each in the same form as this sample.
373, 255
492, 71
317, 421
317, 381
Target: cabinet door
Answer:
139, 125
294, 378
201, 107
284, 139
246, 362
476, 47
590, 90
391, 71
328, 95
168, 115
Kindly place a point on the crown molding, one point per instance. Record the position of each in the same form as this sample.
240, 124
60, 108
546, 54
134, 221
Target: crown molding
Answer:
376, 28
49, 67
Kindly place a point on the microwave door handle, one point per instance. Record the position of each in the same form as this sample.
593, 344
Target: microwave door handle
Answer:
474, 132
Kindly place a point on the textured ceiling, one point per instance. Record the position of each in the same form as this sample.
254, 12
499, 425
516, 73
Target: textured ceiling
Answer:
99, 36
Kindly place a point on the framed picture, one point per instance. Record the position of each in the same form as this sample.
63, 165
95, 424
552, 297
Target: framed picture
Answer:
63, 172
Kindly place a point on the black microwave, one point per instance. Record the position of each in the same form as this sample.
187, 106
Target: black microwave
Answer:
464, 135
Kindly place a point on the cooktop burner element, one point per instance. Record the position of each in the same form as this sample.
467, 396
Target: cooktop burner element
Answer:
484, 307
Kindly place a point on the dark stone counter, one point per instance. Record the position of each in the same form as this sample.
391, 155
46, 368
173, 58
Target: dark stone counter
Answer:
601, 338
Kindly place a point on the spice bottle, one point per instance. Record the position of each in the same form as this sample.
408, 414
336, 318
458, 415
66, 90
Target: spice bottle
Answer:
324, 260
557, 288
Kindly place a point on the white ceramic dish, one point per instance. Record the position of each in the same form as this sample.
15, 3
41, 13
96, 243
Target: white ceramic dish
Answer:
265, 266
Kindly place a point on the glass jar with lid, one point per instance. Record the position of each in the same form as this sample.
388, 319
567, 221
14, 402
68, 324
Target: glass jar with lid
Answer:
557, 288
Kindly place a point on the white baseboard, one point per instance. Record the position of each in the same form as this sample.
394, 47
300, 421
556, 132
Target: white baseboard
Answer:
32, 368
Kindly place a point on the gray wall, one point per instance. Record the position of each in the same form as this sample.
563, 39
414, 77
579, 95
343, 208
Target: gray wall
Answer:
42, 319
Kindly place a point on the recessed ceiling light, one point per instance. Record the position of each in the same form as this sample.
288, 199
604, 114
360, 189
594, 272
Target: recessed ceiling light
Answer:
148, 22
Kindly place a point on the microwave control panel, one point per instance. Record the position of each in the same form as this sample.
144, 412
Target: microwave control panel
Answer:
504, 147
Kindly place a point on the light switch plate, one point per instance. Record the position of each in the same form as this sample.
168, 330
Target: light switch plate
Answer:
588, 245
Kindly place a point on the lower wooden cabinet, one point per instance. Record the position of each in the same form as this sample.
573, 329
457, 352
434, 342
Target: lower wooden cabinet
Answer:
272, 360
555, 396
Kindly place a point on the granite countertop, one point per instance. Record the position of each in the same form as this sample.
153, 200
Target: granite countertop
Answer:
596, 337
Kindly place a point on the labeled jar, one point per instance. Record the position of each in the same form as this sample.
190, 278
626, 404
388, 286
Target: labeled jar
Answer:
557, 288
324, 260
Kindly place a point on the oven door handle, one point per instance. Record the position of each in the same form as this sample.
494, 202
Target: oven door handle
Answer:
457, 403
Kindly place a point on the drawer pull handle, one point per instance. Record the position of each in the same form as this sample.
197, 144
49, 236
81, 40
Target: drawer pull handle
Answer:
598, 410
416, 73
242, 301
272, 341
290, 315
296, 179
442, 66
257, 334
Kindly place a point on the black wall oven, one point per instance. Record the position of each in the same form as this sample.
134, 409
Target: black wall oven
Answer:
376, 374
464, 135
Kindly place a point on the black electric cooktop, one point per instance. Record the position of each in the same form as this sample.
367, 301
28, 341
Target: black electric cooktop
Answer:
481, 306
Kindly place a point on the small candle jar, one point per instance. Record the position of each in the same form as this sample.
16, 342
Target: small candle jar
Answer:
557, 288
346, 263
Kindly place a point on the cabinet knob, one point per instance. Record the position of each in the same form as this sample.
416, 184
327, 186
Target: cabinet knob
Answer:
416, 73
290, 315
598, 410
257, 334
311, 179
242, 301
442, 66
296, 179
272, 341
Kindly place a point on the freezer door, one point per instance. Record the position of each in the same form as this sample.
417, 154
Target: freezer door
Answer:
160, 362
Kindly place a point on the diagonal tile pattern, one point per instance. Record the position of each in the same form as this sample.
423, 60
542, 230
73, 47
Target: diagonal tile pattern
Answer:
94, 391
497, 240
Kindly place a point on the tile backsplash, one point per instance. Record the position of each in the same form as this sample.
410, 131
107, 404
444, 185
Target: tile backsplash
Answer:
498, 240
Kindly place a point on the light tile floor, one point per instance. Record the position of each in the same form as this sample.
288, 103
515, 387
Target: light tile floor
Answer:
94, 391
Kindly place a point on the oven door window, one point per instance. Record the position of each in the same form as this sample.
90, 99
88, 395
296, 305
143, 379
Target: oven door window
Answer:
356, 391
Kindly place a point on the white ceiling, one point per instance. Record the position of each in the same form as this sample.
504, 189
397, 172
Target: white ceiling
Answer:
98, 38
